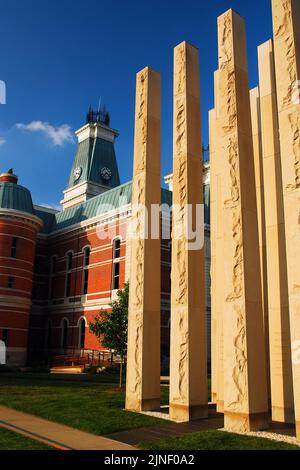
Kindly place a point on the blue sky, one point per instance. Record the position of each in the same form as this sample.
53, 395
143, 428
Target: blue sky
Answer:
58, 56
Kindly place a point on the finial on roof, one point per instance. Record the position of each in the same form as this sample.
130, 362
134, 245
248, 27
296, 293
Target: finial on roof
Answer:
101, 116
10, 171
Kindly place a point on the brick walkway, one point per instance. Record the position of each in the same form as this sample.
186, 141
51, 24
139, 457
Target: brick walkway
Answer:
56, 435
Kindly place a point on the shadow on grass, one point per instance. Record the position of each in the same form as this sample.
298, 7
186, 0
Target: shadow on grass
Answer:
216, 440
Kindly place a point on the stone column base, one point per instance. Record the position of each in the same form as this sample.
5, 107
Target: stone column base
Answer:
147, 404
244, 422
298, 431
283, 415
185, 413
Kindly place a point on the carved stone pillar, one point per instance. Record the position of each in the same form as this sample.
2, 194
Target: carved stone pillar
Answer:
245, 384
143, 358
213, 251
260, 201
286, 14
188, 364
279, 327
217, 271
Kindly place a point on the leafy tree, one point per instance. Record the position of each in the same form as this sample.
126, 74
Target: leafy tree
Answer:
111, 327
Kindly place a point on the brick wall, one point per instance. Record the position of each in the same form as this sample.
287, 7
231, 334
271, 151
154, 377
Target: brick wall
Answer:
16, 274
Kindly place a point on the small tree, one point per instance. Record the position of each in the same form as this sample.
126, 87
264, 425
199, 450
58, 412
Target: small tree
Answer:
111, 327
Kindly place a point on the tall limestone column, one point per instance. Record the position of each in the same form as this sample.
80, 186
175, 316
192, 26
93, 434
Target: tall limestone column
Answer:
245, 384
188, 363
217, 255
213, 249
279, 327
143, 358
260, 201
286, 27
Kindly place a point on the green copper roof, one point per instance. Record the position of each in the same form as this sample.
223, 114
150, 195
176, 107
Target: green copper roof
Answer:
98, 205
14, 196
47, 218
93, 155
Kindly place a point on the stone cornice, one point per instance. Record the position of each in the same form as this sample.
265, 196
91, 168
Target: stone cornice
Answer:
25, 217
94, 130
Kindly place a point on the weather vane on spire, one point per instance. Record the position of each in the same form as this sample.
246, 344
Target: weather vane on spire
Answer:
101, 116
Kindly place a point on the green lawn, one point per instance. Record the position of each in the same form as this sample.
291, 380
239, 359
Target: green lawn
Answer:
88, 405
11, 441
216, 440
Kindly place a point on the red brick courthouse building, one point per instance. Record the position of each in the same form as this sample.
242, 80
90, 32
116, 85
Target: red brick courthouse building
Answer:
58, 269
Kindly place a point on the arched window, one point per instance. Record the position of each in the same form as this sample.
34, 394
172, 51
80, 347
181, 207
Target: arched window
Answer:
81, 333
64, 334
85, 276
117, 248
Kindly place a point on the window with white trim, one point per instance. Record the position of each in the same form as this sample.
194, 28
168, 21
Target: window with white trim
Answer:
117, 248
116, 264
81, 333
85, 275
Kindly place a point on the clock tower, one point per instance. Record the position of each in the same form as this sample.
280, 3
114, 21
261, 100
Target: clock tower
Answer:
95, 168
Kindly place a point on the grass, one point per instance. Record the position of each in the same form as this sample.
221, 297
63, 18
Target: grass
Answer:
88, 403
84, 404
11, 441
216, 440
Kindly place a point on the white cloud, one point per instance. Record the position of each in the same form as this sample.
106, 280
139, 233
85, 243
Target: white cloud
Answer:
58, 135
2, 141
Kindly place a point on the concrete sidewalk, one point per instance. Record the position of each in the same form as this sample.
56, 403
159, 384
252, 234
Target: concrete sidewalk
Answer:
54, 434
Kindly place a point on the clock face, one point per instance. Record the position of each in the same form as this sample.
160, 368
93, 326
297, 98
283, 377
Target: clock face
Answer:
77, 173
105, 173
